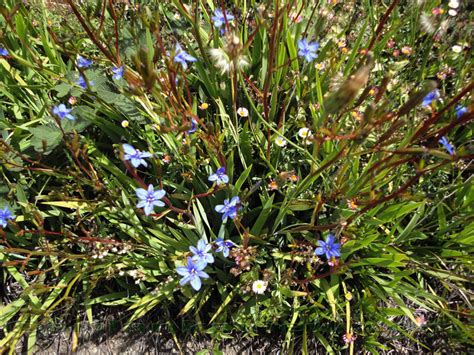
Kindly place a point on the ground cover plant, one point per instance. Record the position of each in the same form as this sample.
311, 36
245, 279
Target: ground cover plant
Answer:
243, 168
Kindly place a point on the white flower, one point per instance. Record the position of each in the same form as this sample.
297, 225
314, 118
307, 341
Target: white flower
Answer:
304, 132
456, 49
280, 141
452, 12
259, 287
454, 4
243, 112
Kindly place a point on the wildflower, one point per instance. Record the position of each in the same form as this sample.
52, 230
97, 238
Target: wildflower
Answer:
329, 247
149, 198
453, 4
219, 176
3, 52
231, 57
441, 75
407, 50
293, 178
420, 320
243, 112
72, 100
192, 273
342, 43
373, 91
349, 338
357, 115
304, 133
320, 66
204, 106
456, 49
445, 143
430, 97
135, 156
166, 159
201, 253
348, 296
396, 53
295, 17
273, 185
259, 287
391, 43
229, 209
83, 62
219, 20
193, 126
460, 110
5, 215
452, 12
345, 50
224, 246
118, 73
280, 141
82, 82
63, 112
307, 49
125, 123
437, 11
352, 204
182, 57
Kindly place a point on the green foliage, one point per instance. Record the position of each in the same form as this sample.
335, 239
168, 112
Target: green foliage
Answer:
371, 172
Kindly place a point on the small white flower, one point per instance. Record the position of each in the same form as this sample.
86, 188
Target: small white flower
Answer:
280, 141
243, 112
454, 4
452, 12
456, 49
259, 287
304, 133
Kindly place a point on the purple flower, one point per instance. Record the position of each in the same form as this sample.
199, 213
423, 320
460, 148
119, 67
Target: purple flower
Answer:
229, 209
192, 273
82, 82
445, 143
307, 49
219, 18
224, 246
135, 156
63, 112
3, 52
182, 57
460, 110
149, 198
201, 253
5, 215
329, 247
83, 62
430, 97
219, 176
118, 73
193, 126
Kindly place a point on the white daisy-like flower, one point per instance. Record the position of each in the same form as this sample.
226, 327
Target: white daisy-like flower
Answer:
454, 4
304, 133
243, 112
452, 12
456, 49
280, 141
259, 287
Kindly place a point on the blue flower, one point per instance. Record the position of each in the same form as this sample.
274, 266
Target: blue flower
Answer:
63, 112
430, 97
224, 246
3, 52
201, 253
307, 49
193, 126
83, 62
192, 273
229, 209
135, 156
149, 198
182, 57
329, 247
460, 110
82, 82
118, 73
219, 176
5, 215
445, 143
219, 19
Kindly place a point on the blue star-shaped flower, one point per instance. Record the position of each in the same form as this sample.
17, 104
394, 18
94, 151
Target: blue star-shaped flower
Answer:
193, 126
229, 209
430, 97
307, 49
83, 62
3, 52
224, 246
150, 198
182, 57
219, 176
82, 82
192, 273
118, 73
135, 156
201, 252
5, 215
219, 20
460, 110
329, 247
445, 143
63, 112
